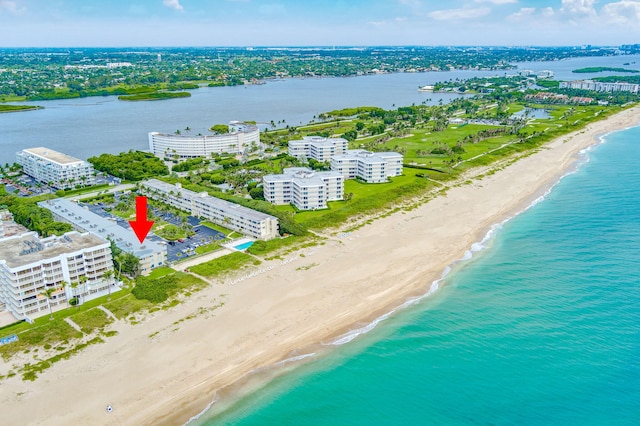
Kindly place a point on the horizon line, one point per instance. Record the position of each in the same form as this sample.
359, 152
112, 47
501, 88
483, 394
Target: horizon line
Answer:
327, 46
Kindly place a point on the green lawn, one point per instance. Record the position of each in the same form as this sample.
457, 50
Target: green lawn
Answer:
161, 272
216, 227
168, 231
367, 198
207, 248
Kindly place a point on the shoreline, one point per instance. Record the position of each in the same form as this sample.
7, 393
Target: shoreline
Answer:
266, 319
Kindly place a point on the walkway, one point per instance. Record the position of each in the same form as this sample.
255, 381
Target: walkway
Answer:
111, 189
193, 261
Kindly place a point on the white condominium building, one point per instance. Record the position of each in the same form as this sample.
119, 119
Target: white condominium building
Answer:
181, 147
151, 253
30, 265
304, 188
230, 215
599, 86
318, 148
372, 167
54, 168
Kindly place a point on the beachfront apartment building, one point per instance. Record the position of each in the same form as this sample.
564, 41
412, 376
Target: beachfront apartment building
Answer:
372, 167
55, 168
152, 254
182, 147
230, 215
304, 188
317, 148
30, 265
600, 86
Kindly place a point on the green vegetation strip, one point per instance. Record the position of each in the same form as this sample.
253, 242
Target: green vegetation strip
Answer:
16, 108
603, 69
30, 371
154, 96
159, 289
366, 198
91, 320
208, 248
216, 227
51, 334
225, 264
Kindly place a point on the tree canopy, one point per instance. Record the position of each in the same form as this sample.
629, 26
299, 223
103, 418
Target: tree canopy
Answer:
132, 165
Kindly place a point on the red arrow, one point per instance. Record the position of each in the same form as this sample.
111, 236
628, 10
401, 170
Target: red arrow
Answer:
141, 226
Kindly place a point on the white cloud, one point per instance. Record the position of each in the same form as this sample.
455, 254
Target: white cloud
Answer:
525, 12
548, 12
396, 20
457, 14
11, 6
622, 12
497, 1
173, 4
578, 7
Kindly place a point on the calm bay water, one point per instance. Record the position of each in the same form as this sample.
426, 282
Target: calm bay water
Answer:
91, 126
542, 327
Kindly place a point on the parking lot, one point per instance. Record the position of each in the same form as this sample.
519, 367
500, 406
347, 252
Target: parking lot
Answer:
176, 250
186, 247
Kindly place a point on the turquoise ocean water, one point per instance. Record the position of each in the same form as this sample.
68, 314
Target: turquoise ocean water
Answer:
541, 327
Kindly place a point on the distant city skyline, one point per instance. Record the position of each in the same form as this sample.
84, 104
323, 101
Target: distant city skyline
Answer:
99, 23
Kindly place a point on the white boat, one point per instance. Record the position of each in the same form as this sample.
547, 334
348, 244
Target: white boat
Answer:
425, 89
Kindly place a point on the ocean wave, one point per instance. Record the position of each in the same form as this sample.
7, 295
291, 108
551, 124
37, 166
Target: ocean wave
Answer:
352, 334
294, 359
203, 412
468, 255
250, 374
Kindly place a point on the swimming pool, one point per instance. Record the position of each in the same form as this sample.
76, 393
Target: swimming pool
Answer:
243, 246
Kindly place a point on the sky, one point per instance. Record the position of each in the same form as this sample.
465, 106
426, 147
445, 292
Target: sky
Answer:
117, 23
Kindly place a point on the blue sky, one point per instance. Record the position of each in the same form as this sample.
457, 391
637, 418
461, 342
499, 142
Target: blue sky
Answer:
319, 22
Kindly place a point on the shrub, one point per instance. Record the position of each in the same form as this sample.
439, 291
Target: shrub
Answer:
155, 290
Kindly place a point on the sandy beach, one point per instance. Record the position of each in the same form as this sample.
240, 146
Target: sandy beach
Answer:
167, 368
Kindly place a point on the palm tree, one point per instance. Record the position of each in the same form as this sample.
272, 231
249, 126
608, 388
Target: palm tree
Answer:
48, 293
74, 286
64, 284
83, 280
107, 276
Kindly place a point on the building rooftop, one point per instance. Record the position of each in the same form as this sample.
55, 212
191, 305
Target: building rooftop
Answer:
302, 175
124, 238
203, 197
368, 155
51, 155
318, 141
27, 248
235, 127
